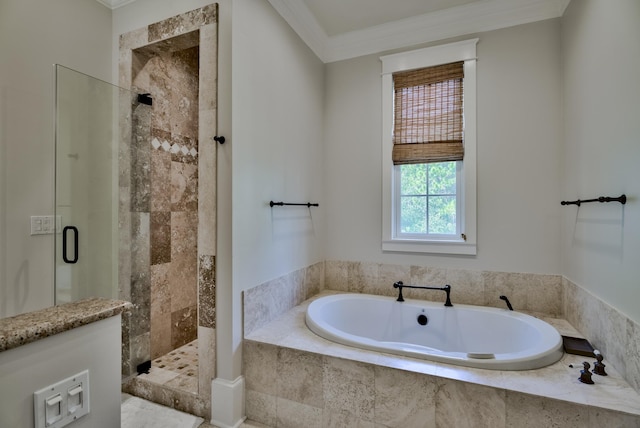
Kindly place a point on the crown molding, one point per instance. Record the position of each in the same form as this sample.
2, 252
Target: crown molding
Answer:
114, 4
457, 21
304, 23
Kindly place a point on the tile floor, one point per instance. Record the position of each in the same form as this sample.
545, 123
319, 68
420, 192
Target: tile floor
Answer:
177, 369
246, 424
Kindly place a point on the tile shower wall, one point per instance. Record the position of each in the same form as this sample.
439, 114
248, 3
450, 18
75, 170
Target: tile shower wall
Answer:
169, 72
167, 204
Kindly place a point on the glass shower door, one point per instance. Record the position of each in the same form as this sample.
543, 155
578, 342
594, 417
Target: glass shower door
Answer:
90, 115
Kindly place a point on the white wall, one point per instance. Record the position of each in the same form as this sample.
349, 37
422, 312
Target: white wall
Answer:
94, 347
34, 35
277, 145
601, 66
519, 148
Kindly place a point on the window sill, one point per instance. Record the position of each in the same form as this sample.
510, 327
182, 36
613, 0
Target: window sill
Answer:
434, 247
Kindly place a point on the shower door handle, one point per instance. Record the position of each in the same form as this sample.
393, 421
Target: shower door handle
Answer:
74, 259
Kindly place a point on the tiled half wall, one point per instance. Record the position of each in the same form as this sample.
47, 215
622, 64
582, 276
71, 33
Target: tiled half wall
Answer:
312, 387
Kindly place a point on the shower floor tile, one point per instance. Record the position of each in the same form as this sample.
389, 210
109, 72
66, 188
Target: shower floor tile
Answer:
177, 369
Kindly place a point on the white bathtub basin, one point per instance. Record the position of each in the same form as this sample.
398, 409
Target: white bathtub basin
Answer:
466, 335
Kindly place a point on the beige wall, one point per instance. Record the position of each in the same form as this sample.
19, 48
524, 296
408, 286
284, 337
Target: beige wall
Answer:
33, 36
601, 65
518, 162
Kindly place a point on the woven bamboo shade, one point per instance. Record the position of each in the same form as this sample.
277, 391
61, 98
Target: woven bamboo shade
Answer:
428, 124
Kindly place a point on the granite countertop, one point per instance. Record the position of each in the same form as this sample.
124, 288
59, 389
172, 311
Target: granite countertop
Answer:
26, 328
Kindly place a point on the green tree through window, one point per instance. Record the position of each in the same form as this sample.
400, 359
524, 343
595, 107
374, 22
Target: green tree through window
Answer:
428, 198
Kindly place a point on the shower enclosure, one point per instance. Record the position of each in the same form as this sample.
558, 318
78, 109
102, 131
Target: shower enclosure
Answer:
136, 203
90, 119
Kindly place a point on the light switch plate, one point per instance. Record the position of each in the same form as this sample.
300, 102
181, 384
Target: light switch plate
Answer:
73, 403
44, 224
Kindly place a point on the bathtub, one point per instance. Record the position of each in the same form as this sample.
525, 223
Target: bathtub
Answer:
472, 336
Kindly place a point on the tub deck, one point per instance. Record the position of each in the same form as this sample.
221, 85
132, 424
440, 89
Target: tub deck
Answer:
557, 381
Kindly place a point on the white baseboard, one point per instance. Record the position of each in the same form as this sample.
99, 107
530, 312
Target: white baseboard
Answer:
227, 402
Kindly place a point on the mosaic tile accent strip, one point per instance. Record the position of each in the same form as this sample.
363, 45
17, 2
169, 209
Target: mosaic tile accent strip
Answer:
174, 148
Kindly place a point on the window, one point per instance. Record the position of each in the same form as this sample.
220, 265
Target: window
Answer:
429, 151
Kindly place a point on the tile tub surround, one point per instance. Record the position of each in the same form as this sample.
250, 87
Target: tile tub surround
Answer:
294, 376
608, 330
271, 299
527, 292
29, 327
616, 336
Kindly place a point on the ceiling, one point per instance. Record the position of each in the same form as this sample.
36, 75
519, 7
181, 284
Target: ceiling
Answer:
339, 16
341, 29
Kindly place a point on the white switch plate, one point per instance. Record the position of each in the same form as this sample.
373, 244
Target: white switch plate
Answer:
74, 394
45, 224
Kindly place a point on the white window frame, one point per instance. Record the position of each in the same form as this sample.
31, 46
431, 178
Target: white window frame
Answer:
429, 57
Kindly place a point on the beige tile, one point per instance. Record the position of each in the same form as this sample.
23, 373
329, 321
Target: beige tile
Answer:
266, 302
341, 419
404, 399
544, 293
376, 278
291, 414
505, 283
349, 386
426, 276
134, 39
483, 406
614, 328
160, 322
295, 282
184, 187
206, 361
314, 279
184, 383
179, 24
299, 377
606, 418
526, 411
260, 367
160, 177
337, 275
207, 186
260, 407
208, 66
246, 424
633, 355
467, 286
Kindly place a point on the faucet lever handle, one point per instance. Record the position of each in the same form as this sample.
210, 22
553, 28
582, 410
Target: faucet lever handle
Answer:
585, 374
598, 366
